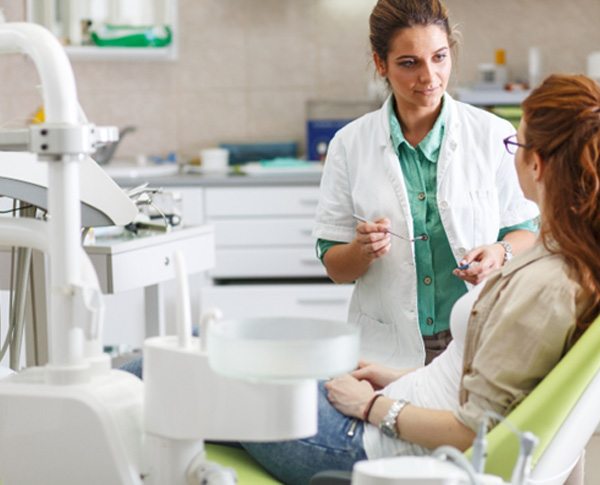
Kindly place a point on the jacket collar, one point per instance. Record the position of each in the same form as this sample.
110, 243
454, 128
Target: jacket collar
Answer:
384, 120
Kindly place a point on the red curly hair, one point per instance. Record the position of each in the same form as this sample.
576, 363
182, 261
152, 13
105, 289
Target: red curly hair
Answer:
563, 128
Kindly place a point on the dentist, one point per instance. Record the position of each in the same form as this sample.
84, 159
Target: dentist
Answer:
431, 170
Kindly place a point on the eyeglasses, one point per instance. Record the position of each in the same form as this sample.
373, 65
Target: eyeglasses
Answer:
512, 145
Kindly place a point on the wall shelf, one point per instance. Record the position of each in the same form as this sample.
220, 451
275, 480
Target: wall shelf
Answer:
64, 18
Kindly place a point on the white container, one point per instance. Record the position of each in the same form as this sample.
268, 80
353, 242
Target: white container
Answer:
593, 65
214, 160
534, 67
282, 349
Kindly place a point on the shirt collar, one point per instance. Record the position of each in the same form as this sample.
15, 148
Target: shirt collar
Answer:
430, 145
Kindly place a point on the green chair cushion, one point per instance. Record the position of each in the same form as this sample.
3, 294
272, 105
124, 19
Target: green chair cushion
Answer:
248, 470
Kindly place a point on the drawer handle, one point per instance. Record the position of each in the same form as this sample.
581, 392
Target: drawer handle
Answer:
310, 262
309, 201
324, 301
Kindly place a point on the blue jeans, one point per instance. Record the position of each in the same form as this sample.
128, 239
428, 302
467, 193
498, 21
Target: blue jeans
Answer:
134, 367
337, 445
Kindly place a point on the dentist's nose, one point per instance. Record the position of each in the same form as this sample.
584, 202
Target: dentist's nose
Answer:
426, 73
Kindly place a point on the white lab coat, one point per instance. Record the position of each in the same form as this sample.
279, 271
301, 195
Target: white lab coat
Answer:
477, 194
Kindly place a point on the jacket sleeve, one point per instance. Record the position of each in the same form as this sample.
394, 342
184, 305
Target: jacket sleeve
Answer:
334, 212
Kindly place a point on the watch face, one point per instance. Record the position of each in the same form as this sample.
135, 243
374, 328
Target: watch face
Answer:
386, 430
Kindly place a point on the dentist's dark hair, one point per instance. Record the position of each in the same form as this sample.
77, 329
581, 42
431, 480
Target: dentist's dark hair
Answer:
390, 16
562, 120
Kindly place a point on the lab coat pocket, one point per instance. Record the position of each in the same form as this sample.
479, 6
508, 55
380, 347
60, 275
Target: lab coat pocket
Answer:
486, 216
378, 338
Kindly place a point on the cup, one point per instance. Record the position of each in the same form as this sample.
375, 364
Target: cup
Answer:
214, 159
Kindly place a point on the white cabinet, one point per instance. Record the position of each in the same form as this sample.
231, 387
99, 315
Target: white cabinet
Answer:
263, 232
266, 263
322, 300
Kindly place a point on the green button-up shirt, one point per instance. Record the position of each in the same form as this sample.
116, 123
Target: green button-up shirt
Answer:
437, 288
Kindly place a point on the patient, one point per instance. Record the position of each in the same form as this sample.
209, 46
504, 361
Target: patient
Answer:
524, 319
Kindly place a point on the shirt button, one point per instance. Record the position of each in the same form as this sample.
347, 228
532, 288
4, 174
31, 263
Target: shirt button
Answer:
427, 280
429, 321
424, 237
421, 196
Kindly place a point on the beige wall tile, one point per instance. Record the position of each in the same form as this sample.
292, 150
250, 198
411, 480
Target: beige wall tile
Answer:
212, 116
247, 67
273, 115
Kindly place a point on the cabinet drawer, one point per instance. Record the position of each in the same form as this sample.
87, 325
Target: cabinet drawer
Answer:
129, 266
263, 201
264, 232
327, 300
267, 263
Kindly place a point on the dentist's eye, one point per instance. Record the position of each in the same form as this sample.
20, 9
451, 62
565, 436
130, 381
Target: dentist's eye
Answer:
440, 57
409, 63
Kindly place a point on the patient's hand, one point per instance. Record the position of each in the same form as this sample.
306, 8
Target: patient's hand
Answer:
378, 375
349, 395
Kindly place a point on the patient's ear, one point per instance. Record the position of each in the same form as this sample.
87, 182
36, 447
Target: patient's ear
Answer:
537, 166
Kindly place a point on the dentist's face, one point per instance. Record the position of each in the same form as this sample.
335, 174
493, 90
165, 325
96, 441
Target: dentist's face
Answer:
418, 66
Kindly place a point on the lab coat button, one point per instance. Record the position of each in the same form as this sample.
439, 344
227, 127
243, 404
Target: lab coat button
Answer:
421, 196
461, 251
427, 280
443, 204
452, 145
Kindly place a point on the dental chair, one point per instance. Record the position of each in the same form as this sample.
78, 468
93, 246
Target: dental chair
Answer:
563, 411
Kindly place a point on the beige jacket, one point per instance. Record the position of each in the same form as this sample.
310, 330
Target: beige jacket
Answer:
519, 328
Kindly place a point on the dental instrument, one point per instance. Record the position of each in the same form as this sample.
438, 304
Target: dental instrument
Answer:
422, 237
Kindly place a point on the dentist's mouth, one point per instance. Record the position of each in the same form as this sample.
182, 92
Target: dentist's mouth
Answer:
426, 92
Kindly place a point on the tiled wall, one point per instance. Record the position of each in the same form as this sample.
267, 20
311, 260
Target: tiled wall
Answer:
247, 67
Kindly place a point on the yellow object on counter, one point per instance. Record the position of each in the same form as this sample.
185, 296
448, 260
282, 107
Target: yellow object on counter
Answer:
39, 116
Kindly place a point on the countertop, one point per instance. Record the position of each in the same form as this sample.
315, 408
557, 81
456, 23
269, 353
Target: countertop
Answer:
222, 180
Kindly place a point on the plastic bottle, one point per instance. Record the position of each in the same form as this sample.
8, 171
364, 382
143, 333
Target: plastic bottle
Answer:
500, 65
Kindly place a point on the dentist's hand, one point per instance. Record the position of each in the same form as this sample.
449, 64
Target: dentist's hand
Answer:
372, 238
481, 261
349, 395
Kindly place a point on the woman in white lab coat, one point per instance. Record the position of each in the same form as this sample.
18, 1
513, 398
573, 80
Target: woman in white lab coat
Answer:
423, 167
524, 318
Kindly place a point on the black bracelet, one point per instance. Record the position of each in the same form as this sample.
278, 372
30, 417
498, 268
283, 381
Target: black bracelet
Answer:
370, 406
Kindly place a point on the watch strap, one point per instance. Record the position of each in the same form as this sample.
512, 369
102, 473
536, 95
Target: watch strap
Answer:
508, 254
388, 423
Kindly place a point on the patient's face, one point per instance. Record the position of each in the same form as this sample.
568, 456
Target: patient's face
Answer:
523, 164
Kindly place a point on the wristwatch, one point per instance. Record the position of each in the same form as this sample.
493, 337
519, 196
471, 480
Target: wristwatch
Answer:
508, 254
388, 423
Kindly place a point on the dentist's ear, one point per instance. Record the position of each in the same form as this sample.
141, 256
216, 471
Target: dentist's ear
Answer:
379, 65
